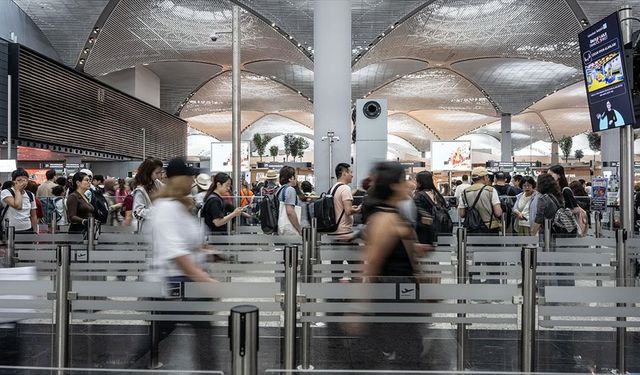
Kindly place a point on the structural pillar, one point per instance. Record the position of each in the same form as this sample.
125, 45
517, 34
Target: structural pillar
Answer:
332, 87
555, 153
236, 107
626, 133
505, 132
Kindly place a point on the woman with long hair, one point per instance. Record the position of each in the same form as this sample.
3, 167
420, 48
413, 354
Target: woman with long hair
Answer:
147, 182
214, 212
79, 209
430, 203
549, 201
522, 206
570, 201
391, 253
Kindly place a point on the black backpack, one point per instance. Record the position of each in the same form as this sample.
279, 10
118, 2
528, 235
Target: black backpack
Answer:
100, 206
6, 208
563, 220
324, 211
269, 206
472, 220
440, 221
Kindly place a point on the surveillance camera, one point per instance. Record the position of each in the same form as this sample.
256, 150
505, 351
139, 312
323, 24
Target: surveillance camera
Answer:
214, 37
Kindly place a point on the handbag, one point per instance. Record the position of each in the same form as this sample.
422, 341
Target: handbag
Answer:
284, 224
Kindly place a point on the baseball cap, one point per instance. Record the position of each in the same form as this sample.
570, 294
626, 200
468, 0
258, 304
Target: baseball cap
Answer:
179, 167
87, 172
479, 172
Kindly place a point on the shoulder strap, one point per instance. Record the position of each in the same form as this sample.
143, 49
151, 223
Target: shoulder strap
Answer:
332, 194
477, 198
555, 201
333, 191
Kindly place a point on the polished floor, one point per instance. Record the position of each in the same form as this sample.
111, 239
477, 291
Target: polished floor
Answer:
389, 347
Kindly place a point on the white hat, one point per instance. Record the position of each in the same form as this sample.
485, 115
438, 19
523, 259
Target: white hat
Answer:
203, 181
87, 172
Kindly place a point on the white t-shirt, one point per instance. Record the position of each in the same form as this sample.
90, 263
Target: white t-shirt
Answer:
20, 219
460, 188
175, 233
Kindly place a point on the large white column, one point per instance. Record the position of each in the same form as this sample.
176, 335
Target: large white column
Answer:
610, 149
505, 132
332, 87
139, 82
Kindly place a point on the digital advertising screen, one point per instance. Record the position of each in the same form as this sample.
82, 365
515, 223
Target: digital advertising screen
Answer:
608, 93
451, 156
222, 158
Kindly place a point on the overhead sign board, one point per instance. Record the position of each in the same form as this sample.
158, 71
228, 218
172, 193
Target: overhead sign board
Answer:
605, 76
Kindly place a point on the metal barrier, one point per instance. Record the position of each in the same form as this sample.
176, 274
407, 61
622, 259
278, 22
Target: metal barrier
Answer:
462, 279
528, 313
11, 246
306, 277
290, 305
621, 276
62, 295
243, 339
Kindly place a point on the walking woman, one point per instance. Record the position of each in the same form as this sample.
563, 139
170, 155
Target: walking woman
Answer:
79, 210
391, 255
177, 243
522, 207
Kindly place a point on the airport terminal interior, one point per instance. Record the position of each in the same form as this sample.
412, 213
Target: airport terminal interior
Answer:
321, 186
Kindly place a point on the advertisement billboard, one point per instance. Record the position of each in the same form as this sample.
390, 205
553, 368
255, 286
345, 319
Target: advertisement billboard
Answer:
221, 157
451, 156
608, 94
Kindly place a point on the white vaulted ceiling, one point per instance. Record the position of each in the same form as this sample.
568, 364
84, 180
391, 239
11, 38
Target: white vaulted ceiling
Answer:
448, 68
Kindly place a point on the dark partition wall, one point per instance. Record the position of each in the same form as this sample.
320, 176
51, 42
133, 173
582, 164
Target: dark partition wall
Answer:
59, 106
4, 66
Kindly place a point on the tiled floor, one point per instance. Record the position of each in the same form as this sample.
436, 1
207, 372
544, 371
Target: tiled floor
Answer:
412, 347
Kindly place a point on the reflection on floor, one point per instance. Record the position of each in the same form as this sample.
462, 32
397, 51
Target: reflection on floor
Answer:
333, 347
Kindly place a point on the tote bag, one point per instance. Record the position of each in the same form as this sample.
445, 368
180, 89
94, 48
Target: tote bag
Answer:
284, 225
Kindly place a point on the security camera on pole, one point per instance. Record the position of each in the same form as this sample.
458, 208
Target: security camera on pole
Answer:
331, 138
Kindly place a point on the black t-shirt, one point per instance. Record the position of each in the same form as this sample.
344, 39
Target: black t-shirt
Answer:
214, 209
569, 200
505, 190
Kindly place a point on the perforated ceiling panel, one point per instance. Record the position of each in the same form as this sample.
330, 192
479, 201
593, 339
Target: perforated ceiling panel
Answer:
375, 75
218, 125
449, 125
66, 23
515, 84
525, 129
454, 30
574, 96
369, 18
141, 31
434, 89
297, 77
567, 122
178, 79
276, 125
407, 127
595, 10
258, 94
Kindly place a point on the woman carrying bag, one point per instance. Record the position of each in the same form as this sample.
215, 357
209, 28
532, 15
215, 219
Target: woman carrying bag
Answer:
289, 209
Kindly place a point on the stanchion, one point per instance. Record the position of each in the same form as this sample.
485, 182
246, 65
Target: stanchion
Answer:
307, 273
53, 228
91, 235
243, 340
290, 305
598, 224
462, 279
547, 235
528, 311
62, 306
139, 226
10, 254
621, 277
315, 246
503, 223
